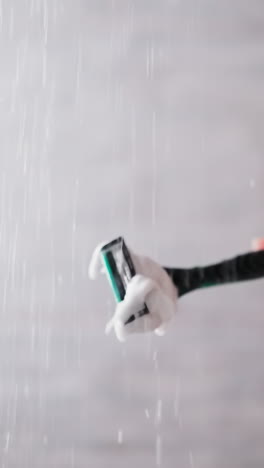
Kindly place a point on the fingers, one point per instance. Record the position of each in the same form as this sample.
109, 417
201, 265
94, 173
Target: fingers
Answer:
161, 310
142, 324
110, 325
125, 309
95, 265
131, 305
138, 289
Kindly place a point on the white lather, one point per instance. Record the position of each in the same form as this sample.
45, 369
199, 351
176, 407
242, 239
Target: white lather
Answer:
151, 285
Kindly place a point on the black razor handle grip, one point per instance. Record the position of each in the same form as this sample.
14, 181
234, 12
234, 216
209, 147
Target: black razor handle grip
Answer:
244, 267
139, 314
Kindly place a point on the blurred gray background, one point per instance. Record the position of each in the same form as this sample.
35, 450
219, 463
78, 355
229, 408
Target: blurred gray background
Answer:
142, 118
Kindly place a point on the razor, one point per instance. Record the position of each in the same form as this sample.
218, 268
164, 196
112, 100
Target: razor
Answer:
120, 270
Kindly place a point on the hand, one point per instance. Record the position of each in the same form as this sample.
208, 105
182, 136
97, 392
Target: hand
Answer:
151, 286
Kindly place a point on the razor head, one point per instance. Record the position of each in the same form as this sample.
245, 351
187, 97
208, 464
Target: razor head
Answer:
119, 266
120, 270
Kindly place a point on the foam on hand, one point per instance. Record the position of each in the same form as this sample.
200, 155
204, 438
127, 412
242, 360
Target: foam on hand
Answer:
151, 286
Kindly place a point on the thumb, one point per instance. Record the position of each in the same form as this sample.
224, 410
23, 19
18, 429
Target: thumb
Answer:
95, 262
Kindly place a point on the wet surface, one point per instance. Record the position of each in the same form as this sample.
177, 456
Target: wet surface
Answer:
143, 119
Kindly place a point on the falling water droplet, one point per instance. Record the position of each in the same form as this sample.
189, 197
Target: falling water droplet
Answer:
252, 183
191, 459
7, 442
158, 450
158, 412
120, 437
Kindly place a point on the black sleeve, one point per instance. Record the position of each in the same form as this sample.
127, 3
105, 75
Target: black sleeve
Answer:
241, 268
